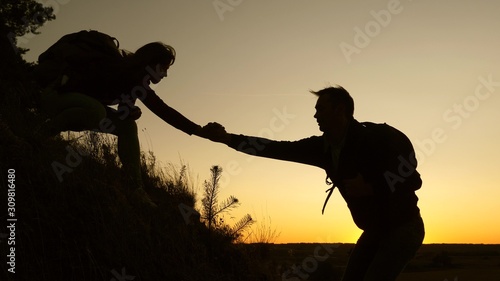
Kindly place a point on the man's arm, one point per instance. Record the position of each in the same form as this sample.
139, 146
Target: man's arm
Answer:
306, 151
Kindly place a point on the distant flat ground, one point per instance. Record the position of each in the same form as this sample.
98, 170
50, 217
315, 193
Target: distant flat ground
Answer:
467, 262
433, 262
453, 275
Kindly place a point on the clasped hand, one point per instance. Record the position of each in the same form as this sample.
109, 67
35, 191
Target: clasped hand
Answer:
214, 132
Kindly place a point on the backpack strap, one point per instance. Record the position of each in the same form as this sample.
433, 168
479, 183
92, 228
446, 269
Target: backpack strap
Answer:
330, 191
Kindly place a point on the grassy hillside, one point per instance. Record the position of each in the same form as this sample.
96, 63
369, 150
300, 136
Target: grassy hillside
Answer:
81, 222
76, 218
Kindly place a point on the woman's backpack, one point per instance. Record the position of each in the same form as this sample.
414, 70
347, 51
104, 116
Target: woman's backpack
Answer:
75, 56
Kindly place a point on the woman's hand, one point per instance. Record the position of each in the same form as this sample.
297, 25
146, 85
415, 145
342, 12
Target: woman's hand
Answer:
214, 132
135, 113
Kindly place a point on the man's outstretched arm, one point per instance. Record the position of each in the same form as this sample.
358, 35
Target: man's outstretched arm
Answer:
307, 151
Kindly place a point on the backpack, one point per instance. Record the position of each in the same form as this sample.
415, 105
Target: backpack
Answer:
404, 146
76, 55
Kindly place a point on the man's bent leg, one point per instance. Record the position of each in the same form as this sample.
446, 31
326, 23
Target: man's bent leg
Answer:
360, 258
396, 250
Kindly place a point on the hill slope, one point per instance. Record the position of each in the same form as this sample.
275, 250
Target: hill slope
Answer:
76, 217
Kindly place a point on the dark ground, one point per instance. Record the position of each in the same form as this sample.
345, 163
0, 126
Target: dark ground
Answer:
439, 262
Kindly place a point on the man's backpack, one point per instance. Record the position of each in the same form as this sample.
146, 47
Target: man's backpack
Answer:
76, 56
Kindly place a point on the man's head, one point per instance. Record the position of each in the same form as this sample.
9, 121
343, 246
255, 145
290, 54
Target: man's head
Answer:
334, 110
158, 56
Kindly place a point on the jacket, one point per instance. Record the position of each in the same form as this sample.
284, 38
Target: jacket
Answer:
124, 86
381, 154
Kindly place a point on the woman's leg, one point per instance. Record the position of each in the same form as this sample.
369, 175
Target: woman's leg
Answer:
129, 152
78, 112
128, 145
72, 112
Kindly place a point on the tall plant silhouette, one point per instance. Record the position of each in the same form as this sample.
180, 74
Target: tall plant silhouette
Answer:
212, 210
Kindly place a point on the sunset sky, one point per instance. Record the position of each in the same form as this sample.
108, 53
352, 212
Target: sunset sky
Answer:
429, 68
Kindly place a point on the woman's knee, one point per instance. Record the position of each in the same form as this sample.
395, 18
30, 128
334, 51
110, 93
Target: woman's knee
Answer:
80, 107
97, 115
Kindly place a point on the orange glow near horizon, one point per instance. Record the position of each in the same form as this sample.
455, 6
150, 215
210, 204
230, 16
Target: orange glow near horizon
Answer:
250, 68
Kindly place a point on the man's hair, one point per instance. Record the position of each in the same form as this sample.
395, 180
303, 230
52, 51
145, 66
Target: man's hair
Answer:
156, 52
338, 95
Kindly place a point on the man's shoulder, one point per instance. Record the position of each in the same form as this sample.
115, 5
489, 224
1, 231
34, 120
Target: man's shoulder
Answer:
377, 128
381, 134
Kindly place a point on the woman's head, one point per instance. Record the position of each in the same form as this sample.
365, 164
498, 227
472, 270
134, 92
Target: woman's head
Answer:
155, 53
157, 56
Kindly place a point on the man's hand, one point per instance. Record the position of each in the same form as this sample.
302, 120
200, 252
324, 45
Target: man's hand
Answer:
357, 187
214, 132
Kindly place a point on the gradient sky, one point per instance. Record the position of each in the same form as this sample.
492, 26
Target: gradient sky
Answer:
429, 68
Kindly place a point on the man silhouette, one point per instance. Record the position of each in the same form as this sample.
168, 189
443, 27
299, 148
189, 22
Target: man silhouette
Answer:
374, 168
